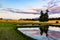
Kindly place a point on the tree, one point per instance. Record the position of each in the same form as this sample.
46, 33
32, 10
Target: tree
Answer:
46, 16
41, 18
1, 18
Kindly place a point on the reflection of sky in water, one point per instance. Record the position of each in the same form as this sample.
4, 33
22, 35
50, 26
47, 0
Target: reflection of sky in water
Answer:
54, 28
54, 33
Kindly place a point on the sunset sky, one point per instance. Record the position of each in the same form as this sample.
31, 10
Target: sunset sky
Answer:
24, 5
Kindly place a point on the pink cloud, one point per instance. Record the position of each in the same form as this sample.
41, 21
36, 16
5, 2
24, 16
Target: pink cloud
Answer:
52, 10
55, 9
20, 11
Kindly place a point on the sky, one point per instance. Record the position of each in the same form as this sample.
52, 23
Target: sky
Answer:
28, 4
22, 4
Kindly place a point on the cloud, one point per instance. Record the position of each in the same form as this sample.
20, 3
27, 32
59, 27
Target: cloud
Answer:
51, 10
24, 11
11, 15
55, 9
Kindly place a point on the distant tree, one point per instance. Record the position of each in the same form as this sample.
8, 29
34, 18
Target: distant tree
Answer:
54, 18
1, 18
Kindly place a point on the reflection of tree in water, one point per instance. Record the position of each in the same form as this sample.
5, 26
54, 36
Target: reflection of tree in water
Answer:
44, 29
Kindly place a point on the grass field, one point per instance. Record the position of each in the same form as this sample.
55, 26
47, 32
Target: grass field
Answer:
8, 32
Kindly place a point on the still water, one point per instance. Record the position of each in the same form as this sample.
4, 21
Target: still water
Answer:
54, 33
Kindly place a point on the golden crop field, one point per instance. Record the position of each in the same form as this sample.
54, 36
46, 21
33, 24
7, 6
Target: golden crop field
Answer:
18, 21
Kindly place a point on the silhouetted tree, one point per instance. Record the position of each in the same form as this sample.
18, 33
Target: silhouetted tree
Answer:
41, 18
46, 16
1, 18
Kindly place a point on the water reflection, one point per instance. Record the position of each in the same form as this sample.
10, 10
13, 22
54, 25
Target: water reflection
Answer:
54, 33
44, 29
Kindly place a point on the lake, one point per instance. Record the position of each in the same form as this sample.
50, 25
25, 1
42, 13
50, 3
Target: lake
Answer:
54, 33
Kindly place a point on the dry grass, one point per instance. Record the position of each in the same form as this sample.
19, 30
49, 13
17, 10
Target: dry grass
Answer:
18, 21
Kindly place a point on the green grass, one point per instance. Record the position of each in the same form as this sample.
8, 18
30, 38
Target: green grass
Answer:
8, 31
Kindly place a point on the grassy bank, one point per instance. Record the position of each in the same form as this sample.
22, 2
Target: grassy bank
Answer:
8, 32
